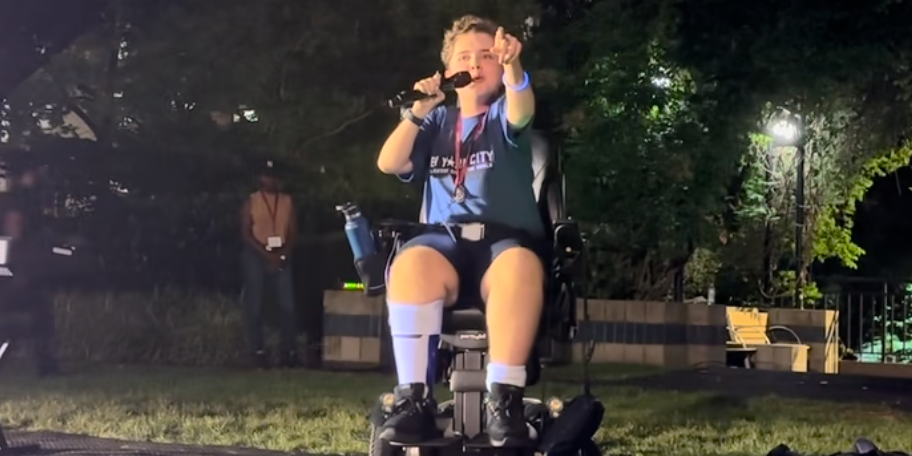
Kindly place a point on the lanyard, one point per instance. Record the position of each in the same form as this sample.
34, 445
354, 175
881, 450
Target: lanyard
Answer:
461, 166
272, 210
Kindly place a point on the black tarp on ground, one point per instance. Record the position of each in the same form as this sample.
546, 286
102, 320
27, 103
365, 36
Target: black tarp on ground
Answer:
53, 443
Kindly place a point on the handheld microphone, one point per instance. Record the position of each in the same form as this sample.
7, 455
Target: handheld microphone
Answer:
457, 81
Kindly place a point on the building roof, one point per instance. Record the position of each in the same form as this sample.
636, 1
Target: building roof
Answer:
33, 31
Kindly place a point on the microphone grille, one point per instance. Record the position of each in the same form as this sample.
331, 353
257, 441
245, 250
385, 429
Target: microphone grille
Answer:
461, 79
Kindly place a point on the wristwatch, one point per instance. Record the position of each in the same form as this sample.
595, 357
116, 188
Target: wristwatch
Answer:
408, 114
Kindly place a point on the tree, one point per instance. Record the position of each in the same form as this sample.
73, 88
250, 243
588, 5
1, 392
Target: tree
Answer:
182, 96
650, 159
668, 170
795, 55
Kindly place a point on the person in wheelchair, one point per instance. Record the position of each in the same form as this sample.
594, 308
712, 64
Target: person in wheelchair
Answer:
486, 238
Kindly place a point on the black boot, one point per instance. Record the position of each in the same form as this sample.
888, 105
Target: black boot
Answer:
260, 360
414, 417
506, 420
289, 360
47, 364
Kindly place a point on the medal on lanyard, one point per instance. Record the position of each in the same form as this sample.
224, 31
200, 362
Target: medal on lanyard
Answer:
459, 193
460, 163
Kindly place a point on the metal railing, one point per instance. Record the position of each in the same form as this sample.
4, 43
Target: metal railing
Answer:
874, 326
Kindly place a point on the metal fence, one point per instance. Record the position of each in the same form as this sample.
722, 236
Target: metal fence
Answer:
875, 319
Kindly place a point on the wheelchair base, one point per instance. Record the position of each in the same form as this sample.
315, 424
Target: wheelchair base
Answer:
453, 446
562, 434
479, 442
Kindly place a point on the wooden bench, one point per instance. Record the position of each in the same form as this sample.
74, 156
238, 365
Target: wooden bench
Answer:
749, 342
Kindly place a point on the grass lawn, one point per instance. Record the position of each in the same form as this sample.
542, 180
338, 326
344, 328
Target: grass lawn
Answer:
321, 412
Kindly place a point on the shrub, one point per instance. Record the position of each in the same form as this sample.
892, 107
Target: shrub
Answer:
161, 327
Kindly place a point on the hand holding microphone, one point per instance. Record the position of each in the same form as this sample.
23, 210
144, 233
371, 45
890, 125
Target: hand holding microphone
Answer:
431, 87
428, 93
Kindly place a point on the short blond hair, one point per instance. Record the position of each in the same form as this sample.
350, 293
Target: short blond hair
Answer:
463, 25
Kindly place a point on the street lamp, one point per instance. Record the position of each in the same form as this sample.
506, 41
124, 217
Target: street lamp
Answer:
786, 129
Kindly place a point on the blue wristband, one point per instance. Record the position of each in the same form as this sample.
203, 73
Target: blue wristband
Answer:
519, 88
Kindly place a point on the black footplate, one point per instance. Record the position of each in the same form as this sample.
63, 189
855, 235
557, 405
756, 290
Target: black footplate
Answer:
442, 442
483, 442
479, 442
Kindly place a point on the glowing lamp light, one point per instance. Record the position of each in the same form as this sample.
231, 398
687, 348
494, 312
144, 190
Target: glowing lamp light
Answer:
785, 131
353, 286
785, 128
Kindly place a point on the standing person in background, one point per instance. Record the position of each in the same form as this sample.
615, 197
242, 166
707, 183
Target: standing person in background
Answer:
269, 231
27, 291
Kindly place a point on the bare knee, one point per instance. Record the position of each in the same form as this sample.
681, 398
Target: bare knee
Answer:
515, 272
422, 275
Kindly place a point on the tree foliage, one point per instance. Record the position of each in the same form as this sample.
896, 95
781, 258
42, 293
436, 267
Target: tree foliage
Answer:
662, 99
660, 107
178, 99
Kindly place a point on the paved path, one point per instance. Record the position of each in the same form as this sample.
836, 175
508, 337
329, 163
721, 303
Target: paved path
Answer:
53, 444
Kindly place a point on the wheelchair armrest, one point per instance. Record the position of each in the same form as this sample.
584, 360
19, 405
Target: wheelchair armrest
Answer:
388, 229
389, 234
569, 247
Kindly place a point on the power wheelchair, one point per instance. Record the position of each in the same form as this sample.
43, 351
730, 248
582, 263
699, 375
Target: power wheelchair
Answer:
561, 427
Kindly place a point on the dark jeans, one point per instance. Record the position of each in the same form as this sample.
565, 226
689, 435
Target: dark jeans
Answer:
256, 276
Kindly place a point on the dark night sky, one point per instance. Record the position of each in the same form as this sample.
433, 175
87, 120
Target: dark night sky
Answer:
883, 225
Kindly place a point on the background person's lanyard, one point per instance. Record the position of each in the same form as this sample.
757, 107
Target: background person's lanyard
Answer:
272, 210
461, 166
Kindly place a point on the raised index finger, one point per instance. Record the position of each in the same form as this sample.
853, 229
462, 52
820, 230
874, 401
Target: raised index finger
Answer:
498, 36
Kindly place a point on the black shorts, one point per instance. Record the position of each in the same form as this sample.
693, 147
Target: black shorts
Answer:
471, 258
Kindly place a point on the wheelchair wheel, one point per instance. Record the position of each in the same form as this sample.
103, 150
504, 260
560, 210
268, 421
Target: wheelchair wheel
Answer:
537, 416
585, 448
589, 448
379, 447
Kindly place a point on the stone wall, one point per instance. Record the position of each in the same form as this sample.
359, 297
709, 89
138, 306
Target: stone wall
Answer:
674, 335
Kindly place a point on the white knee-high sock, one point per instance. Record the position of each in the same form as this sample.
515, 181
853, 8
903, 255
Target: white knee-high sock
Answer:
416, 334
505, 375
